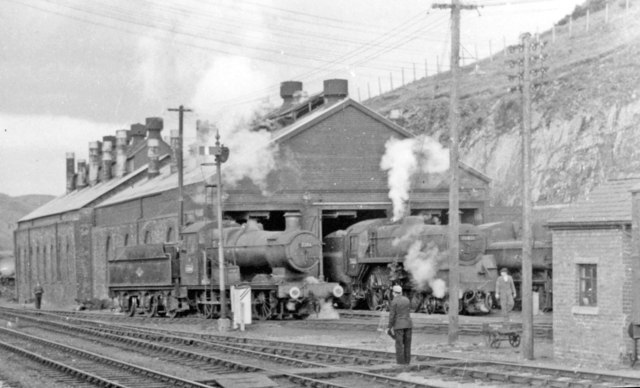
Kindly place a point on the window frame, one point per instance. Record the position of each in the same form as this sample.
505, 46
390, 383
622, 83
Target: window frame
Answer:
587, 284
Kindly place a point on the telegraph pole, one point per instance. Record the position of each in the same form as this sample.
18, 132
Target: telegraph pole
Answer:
180, 111
454, 173
525, 86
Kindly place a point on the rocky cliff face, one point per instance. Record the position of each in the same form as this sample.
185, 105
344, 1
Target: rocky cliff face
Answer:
586, 120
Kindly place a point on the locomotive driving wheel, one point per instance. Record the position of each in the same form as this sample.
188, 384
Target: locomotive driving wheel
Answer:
262, 306
376, 288
133, 304
151, 309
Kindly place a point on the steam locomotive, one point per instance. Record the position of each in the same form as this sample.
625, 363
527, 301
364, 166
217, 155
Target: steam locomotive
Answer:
370, 256
281, 268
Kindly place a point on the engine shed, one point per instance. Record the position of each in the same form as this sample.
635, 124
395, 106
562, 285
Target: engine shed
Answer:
329, 151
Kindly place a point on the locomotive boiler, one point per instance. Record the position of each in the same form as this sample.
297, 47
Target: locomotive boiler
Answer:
372, 255
281, 267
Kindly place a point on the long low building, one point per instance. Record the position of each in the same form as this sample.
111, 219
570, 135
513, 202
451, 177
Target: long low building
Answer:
329, 149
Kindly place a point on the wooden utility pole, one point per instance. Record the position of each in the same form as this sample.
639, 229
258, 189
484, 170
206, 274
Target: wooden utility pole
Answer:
527, 237
181, 109
528, 68
454, 173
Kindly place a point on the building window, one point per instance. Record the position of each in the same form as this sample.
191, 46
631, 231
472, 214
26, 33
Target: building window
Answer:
126, 239
169, 234
107, 247
588, 292
147, 237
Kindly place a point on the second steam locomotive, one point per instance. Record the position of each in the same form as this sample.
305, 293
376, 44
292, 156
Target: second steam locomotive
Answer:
370, 256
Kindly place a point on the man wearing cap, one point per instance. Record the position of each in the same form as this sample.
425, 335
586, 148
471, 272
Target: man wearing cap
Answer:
400, 325
505, 293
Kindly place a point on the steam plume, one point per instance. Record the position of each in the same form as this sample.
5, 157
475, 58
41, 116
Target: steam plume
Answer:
423, 266
403, 158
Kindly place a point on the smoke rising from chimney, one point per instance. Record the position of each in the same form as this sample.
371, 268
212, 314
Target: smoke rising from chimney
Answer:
404, 158
252, 155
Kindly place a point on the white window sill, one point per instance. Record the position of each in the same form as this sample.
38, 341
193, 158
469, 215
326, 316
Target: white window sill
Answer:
584, 310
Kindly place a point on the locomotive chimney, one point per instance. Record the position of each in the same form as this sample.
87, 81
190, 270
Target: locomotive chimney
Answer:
153, 152
107, 157
175, 150
292, 221
335, 90
71, 172
82, 174
95, 159
154, 126
137, 133
122, 136
287, 91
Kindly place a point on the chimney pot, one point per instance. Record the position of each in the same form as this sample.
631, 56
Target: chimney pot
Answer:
175, 150
82, 174
336, 89
153, 152
288, 89
95, 159
292, 221
122, 137
71, 173
154, 126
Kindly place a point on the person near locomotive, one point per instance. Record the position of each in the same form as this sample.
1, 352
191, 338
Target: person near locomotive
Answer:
505, 293
400, 325
38, 291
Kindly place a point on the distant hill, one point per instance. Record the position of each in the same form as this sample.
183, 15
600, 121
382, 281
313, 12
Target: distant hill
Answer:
585, 124
11, 210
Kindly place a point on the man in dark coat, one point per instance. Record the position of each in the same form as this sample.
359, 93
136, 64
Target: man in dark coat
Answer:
38, 291
400, 325
505, 293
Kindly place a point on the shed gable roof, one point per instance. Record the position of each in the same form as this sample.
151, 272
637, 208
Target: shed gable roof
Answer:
609, 203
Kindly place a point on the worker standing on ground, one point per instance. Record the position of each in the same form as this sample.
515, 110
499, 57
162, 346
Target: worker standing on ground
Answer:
505, 293
400, 325
38, 291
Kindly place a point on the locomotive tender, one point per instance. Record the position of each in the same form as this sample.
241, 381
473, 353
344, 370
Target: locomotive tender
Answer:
370, 256
281, 267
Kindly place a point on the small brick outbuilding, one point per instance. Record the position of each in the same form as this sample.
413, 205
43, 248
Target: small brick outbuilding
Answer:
593, 269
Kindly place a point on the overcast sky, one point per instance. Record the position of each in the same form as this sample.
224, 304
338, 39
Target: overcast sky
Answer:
72, 71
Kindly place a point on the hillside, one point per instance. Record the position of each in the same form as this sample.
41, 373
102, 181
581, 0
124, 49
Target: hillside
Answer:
585, 121
11, 210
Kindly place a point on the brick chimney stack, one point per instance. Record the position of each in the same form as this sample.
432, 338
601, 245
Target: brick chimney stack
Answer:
81, 182
154, 126
122, 137
108, 143
175, 150
153, 152
71, 172
95, 160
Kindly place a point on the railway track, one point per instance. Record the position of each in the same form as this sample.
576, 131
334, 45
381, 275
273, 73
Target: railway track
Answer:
79, 365
318, 365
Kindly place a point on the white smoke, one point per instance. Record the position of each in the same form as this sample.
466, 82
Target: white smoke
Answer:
423, 266
404, 158
252, 154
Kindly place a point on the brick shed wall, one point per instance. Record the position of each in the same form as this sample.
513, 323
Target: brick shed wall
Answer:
46, 254
156, 215
592, 334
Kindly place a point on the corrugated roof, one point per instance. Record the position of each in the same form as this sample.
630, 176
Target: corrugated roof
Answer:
78, 199
609, 203
164, 182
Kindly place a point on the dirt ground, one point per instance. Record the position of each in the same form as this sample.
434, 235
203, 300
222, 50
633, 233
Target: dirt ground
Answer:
468, 346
